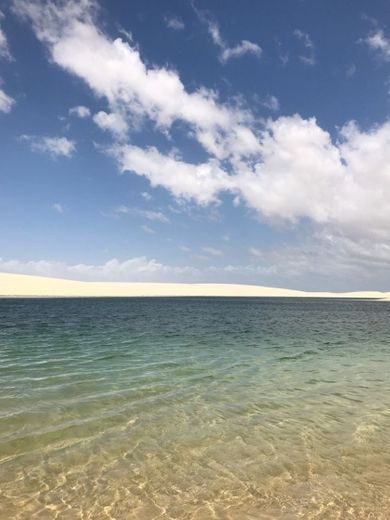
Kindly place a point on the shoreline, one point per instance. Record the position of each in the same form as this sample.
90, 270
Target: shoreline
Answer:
29, 286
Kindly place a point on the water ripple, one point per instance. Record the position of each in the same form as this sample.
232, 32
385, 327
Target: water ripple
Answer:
194, 409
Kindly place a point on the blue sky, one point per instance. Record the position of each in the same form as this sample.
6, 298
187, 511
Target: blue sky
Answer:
196, 141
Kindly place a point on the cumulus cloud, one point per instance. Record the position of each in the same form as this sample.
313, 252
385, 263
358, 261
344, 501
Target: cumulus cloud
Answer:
80, 111
300, 173
114, 70
53, 146
308, 58
380, 43
114, 123
135, 269
199, 182
304, 174
6, 102
175, 23
285, 169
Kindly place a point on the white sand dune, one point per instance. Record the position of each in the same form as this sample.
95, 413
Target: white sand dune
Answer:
18, 285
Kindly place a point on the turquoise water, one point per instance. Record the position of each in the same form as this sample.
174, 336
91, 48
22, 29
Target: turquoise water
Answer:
194, 409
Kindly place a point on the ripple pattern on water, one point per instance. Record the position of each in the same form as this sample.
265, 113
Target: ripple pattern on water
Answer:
194, 409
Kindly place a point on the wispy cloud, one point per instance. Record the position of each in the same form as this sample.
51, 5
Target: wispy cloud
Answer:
134, 269
334, 258
271, 103
156, 216
148, 229
53, 146
256, 252
308, 58
146, 195
4, 46
59, 208
227, 52
6, 102
283, 55
174, 22
380, 43
212, 251
244, 47
325, 262
350, 70
80, 111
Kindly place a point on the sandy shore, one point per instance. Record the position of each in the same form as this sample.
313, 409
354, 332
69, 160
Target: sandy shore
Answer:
18, 285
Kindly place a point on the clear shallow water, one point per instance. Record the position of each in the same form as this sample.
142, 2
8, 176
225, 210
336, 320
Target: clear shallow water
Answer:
194, 409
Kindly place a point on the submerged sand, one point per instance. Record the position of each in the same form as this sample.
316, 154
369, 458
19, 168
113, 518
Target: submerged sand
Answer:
18, 285
194, 409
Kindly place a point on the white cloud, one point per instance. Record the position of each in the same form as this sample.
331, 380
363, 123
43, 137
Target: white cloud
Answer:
271, 102
379, 42
212, 251
59, 208
244, 47
148, 214
135, 269
334, 262
113, 123
175, 23
4, 47
148, 229
350, 70
286, 169
6, 102
54, 146
114, 70
327, 262
303, 174
146, 195
201, 182
308, 58
4, 51
227, 53
256, 252
127, 34
80, 111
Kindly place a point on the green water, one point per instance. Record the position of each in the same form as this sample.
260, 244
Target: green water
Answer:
194, 409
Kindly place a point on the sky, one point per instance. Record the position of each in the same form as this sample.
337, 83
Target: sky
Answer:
197, 141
